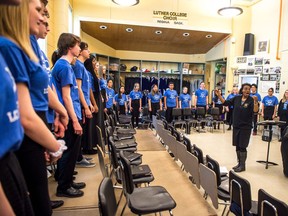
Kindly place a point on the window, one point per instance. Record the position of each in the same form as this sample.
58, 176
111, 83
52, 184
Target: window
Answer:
70, 19
43, 45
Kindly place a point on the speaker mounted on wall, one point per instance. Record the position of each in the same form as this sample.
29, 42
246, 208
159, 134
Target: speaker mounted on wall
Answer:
248, 44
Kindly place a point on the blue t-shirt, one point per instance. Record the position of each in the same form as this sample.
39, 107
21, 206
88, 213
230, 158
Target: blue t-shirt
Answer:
25, 70
110, 96
256, 94
185, 99
218, 100
121, 101
63, 75
155, 98
11, 131
171, 97
270, 101
91, 81
135, 95
103, 83
201, 97
82, 74
230, 96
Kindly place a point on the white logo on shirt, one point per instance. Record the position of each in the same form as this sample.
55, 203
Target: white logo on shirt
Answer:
12, 78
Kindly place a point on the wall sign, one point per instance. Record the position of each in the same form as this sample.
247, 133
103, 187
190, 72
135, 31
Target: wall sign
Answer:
170, 17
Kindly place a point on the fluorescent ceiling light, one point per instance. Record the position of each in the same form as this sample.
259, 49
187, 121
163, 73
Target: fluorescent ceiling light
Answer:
126, 3
230, 11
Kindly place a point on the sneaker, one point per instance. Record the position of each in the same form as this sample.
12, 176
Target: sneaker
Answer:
85, 164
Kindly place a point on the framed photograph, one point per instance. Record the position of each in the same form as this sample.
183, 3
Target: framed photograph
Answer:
258, 61
262, 46
241, 71
251, 62
265, 77
250, 71
273, 77
258, 69
266, 61
266, 70
241, 60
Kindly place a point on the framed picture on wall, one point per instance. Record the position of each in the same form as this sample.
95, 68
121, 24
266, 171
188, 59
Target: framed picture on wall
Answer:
265, 77
258, 61
266, 70
258, 69
273, 77
262, 46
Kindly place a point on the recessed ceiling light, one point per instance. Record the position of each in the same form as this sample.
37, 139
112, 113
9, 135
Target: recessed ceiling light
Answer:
208, 36
103, 27
186, 34
129, 29
158, 32
126, 3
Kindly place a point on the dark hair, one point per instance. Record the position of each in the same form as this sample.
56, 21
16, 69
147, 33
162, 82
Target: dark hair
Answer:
66, 41
88, 64
242, 86
272, 89
170, 83
119, 93
83, 46
109, 80
45, 2
254, 85
55, 56
215, 99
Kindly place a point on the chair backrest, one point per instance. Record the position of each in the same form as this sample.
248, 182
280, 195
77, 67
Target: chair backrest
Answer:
176, 112
126, 174
171, 129
193, 168
107, 199
109, 131
200, 111
198, 153
187, 112
270, 206
113, 153
178, 135
209, 183
214, 165
240, 192
187, 143
145, 111
165, 124
100, 139
102, 165
215, 111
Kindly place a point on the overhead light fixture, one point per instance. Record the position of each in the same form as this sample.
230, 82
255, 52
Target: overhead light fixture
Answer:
126, 3
186, 34
103, 27
230, 11
158, 32
209, 36
129, 29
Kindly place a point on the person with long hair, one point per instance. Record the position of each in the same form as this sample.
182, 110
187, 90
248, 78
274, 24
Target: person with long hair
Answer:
283, 111
154, 100
16, 24
185, 99
67, 90
257, 99
229, 110
242, 122
216, 102
121, 101
135, 104
110, 97
269, 106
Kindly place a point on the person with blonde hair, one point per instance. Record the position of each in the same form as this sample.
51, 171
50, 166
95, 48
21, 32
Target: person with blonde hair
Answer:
283, 111
16, 24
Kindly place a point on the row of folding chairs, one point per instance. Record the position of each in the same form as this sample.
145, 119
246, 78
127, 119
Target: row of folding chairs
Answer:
232, 190
124, 170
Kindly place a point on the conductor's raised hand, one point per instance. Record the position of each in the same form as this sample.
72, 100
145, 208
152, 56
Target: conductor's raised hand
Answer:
216, 92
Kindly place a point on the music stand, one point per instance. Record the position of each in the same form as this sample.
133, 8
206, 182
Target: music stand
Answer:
269, 123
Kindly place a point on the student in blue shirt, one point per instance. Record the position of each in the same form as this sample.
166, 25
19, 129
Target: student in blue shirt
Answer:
101, 72
154, 100
110, 97
269, 106
201, 99
135, 104
216, 102
67, 90
170, 102
257, 99
283, 111
83, 83
185, 99
231, 108
121, 101
32, 83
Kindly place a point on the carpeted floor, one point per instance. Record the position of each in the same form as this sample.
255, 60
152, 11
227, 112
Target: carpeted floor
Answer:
166, 171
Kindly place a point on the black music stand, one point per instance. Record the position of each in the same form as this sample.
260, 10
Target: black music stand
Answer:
269, 123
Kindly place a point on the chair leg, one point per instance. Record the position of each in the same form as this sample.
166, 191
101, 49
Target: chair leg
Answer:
123, 209
170, 212
224, 210
121, 195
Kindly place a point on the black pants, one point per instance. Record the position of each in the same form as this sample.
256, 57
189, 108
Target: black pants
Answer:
135, 104
66, 164
268, 114
196, 116
33, 165
122, 110
14, 185
168, 114
87, 141
154, 108
255, 120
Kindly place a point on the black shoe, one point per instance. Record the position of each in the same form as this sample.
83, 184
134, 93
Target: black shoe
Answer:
70, 193
90, 152
75, 173
79, 185
56, 204
229, 128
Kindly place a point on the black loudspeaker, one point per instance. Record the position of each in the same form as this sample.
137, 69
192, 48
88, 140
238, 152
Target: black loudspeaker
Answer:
249, 44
